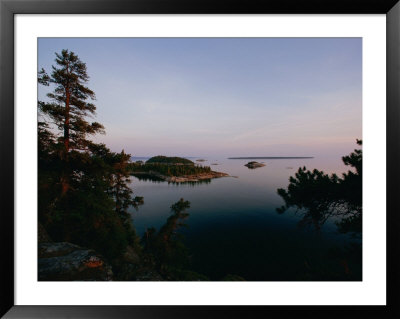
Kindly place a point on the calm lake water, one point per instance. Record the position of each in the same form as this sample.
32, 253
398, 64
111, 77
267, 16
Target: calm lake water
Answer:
234, 229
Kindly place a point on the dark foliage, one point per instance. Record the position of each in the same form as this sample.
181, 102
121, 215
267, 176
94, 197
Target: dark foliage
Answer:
165, 249
169, 160
83, 187
319, 196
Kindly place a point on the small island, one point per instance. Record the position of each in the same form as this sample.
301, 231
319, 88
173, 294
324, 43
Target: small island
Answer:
173, 169
254, 164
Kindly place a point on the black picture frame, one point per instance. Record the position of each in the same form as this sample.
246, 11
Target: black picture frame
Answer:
8, 8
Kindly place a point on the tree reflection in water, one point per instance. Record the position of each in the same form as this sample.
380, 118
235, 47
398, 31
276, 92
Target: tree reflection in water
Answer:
155, 179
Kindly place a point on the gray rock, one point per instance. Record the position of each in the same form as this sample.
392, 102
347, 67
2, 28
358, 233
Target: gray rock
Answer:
68, 262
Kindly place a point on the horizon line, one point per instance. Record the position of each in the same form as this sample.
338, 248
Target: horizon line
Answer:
272, 157
245, 157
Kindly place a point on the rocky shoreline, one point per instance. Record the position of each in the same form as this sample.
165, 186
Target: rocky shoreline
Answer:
184, 178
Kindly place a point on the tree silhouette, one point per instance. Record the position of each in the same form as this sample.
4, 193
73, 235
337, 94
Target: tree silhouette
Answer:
83, 187
69, 106
164, 249
319, 196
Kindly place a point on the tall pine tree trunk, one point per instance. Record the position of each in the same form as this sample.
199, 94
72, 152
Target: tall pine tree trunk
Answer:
65, 177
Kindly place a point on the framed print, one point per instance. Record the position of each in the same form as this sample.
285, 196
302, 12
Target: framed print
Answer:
243, 169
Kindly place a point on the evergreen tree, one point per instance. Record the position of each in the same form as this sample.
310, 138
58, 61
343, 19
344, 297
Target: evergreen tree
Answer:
320, 196
83, 186
119, 181
165, 250
70, 106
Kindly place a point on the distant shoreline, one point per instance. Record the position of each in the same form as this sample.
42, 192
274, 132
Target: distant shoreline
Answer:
185, 178
273, 157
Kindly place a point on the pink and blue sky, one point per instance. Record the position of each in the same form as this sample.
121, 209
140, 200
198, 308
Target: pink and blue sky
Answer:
222, 96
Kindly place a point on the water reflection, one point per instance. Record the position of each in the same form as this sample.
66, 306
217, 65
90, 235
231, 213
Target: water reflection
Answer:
234, 229
193, 183
152, 178
148, 177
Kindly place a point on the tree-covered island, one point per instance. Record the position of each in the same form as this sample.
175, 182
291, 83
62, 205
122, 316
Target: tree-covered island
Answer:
173, 169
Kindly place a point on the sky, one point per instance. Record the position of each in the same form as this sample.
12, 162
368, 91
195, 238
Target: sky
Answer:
222, 96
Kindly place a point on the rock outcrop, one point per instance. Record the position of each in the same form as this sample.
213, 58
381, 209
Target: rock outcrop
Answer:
64, 261
195, 177
184, 178
254, 164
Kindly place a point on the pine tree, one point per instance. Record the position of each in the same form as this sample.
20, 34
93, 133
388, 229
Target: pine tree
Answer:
120, 180
320, 196
70, 106
84, 191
